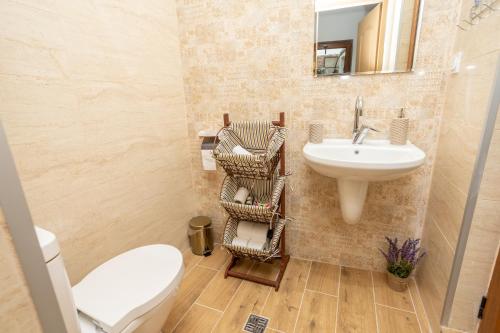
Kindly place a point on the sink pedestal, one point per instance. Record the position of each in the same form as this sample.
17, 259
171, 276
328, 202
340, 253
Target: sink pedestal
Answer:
352, 195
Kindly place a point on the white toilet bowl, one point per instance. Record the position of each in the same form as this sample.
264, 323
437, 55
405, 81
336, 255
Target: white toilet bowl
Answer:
132, 292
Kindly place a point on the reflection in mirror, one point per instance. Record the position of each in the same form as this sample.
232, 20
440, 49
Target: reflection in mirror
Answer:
365, 36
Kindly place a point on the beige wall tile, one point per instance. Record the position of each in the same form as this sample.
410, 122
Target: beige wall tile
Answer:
268, 70
433, 272
17, 312
94, 109
467, 98
482, 245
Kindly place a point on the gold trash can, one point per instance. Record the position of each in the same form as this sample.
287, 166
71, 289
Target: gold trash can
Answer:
200, 235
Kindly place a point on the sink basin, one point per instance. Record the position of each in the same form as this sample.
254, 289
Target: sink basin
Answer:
356, 165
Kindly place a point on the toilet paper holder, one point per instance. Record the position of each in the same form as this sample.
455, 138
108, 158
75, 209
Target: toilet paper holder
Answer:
207, 146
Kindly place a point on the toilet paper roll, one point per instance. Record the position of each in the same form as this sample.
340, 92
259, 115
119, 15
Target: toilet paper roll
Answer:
241, 195
239, 150
237, 241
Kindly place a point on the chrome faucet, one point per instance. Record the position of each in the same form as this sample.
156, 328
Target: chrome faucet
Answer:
359, 133
360, 136
358, 111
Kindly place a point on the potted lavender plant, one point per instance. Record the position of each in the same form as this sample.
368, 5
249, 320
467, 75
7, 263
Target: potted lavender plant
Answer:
401, 261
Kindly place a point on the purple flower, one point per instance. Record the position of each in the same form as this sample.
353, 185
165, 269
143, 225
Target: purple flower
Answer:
402, 261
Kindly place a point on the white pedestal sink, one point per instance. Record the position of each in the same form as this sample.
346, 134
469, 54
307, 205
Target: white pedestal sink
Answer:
355, 165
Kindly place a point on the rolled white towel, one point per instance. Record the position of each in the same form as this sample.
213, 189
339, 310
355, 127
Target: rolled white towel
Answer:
239, 150
259, 232
256, 232
237, 241
256, 245
245, 229
241, 195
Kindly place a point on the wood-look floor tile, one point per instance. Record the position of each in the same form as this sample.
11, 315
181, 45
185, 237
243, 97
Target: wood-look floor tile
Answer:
396, 321
419, 307
356, 303
191, 287
282, 307
216, 260
249, 298
386, 296
266, 270
199, 319
219, 291
324, 278
317, 313
190, 260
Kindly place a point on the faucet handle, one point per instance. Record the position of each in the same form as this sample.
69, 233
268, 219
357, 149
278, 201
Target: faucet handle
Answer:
364, 127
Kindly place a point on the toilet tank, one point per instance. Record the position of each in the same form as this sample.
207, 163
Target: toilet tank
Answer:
59, 278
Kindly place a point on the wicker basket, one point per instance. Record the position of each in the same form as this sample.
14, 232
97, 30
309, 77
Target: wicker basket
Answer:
243, 252
264, 190
262, 139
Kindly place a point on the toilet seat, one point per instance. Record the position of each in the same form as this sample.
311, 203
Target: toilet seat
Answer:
129, 285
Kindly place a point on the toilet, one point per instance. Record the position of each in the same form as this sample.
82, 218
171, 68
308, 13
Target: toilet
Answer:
132, 292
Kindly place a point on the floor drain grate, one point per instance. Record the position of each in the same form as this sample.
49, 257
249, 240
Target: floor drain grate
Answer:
256, 324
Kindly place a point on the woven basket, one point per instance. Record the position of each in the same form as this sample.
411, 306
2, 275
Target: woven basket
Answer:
262, 139
244, 252
264, 190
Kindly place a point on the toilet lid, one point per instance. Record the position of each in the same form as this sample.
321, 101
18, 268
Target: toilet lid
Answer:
129, 285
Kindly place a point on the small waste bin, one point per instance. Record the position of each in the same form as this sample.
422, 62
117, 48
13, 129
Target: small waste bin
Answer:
200, 235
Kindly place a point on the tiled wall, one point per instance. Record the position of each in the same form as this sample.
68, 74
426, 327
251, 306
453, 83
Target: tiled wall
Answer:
17, 313
482, 246
92, 101
465, 109
254, 59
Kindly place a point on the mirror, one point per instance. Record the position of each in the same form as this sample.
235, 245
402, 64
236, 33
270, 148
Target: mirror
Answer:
365, 36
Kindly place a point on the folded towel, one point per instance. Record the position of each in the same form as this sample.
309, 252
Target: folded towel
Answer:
237, 241
244, 229
259, 232
256, 232
239, 150
256, 245
241, 195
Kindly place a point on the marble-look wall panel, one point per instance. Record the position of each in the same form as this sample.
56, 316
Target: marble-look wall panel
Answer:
467, 98
92, 100
482, 245
254, 59
17, 312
